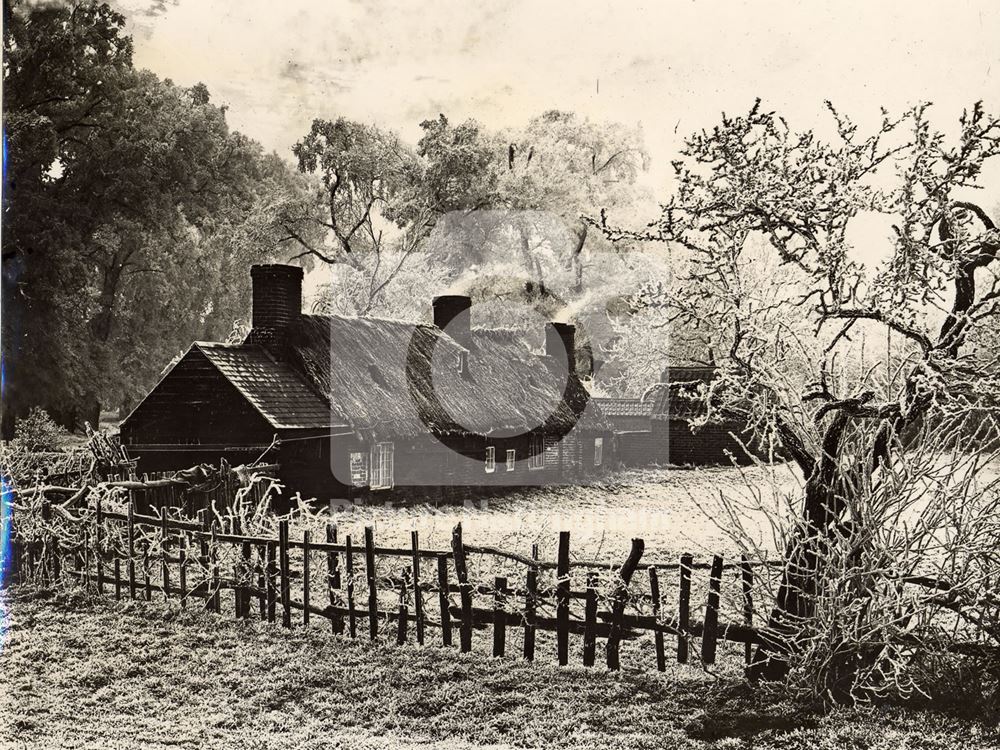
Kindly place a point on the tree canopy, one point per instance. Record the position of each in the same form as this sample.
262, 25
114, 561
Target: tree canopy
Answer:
128, 212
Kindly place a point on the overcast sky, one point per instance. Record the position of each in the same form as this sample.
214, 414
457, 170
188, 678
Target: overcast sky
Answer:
670, 65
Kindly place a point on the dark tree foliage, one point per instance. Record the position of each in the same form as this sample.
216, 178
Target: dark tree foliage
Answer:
129, 214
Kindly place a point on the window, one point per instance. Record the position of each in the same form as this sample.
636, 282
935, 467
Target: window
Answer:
598, 451
491, 459
510, 460
382, 466
536, 456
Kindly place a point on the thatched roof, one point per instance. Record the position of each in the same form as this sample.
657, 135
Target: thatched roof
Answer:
400, 378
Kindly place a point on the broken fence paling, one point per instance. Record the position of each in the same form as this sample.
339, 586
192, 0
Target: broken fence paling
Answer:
262, 573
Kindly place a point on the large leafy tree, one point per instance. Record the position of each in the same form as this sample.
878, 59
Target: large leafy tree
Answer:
785, 347
127, 197
465, 200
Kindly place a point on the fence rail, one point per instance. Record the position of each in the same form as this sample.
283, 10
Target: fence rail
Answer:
393, 593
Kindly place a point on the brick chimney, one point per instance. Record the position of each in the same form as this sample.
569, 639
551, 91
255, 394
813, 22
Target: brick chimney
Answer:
277, 300
560, 342
452, 314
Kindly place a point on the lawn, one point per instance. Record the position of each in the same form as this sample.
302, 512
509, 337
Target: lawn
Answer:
673, 510
79, 672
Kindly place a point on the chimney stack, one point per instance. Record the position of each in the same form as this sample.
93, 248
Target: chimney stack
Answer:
277, 300
560, 342
452, 314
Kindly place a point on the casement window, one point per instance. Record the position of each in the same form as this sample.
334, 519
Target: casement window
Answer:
382, 466
491, 459
536, 457
510, 459
598, 451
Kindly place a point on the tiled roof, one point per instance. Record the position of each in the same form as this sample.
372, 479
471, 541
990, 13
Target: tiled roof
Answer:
625, 407
688, 373
274, 389
675, 401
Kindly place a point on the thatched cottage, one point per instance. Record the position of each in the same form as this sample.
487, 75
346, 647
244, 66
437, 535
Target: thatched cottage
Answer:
361, 405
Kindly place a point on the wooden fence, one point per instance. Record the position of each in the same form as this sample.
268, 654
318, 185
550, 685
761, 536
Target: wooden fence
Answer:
394, 593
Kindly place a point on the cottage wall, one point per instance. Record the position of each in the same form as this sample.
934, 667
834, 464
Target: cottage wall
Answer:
642, 448
423, 465
194, 415
707, 446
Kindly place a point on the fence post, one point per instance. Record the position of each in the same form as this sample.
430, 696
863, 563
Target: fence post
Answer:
10, 562
747, 576
418, 602
213, 561
530, 604
271, 575
261, 570
372, 582
283, 563
56, 551
163, 552
562, 599
182, 569
442, 566
147, 581
620, 600
16, 545
710, 635
499, 616
352, 617
118, 579
98, 530
306, 539
684, 609
333, 579
239, 591
130, 529
47, 549
78, 565
245, 576
654, 591
590, 620
465, 589
403, 614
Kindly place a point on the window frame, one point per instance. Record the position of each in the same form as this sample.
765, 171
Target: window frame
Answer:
536, 454
382, 466
491, 459
511, 459
598, 450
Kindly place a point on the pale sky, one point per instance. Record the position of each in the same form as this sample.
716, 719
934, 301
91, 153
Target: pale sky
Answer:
672, 66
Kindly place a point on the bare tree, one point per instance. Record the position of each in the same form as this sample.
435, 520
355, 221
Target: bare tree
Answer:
786, 364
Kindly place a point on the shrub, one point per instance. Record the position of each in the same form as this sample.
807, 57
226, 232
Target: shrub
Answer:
37, 432
904, 596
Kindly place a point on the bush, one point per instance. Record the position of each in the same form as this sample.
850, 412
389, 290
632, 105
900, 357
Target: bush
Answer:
37, 432
903, 593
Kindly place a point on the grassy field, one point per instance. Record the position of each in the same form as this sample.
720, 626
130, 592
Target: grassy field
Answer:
673, 510
77, 672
